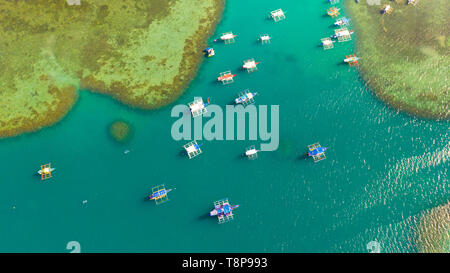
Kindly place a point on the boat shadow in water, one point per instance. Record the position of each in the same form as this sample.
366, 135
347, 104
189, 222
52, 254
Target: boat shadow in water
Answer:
204, 216
241, 156
303, 156
182, 153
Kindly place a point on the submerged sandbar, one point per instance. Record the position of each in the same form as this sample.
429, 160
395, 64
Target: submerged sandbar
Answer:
141, 52
433, 233
405, 54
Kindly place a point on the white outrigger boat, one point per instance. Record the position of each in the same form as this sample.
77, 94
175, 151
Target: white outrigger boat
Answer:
251, 152
343, 33
342, 22
352, 60
46, 171
227, 38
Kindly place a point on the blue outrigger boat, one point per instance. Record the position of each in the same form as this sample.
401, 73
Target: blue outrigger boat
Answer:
223, 210
245, 97
159, 194
317, 152
209, 52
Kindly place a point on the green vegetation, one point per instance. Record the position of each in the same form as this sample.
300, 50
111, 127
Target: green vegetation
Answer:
141, 52
405, 55
434, 231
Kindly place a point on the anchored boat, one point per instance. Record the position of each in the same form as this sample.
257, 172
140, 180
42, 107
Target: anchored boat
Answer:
226, 77
209, 52
227, 38
46, 171
159, 194
342, 22
223, 210
352, 60
317, 152
250, 65
245, 97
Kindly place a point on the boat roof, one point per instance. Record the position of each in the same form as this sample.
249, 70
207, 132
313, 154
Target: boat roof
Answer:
191, 149
197, 106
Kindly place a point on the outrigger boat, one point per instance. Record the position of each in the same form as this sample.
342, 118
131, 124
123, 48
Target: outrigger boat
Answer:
46, 171
327, 43
227, 38
333, 11
223, 210
250, 65
209, 52
317, 152
225, 77
265, 38
251, 152
193, 149
342, 22
352, 60
343, 33
277, 15
198, 107
159, 194
245, 97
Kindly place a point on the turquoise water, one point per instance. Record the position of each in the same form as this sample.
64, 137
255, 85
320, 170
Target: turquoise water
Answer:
383, 169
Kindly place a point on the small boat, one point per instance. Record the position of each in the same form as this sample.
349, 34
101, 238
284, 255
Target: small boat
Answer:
226, 77
223, 210
245, 98
342, 21
46, 170
209, 52
251, 152
327, 42
159, 194
351, 59
227, 38
250, 65
317, 151
341, 34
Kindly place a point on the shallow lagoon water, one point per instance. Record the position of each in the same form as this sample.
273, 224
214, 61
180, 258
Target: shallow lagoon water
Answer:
383, 168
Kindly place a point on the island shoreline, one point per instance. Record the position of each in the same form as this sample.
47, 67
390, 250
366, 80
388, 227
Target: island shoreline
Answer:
378, 91
66, 95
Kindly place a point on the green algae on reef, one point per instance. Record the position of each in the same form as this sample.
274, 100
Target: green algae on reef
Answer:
141, 52
405, 55
120, 131
433, 234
